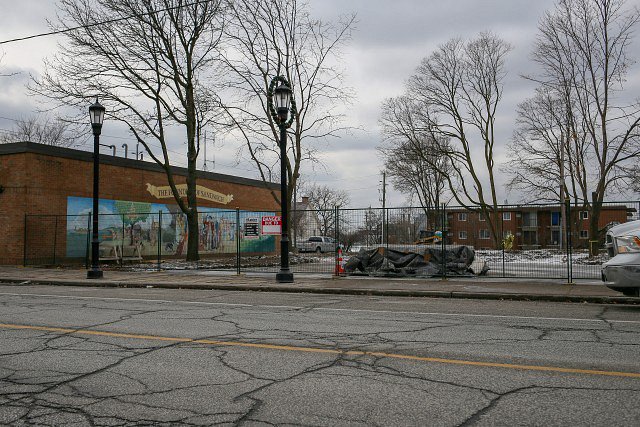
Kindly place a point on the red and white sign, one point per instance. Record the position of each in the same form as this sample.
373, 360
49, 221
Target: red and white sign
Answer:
271, 225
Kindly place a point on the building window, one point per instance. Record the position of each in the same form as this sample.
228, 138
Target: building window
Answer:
481, 217
484, 234
530, 219
584, 214
555, 218
462, 216
584, 234
462, 235
506, 216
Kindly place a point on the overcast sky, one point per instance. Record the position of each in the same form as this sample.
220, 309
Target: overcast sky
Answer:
390, 39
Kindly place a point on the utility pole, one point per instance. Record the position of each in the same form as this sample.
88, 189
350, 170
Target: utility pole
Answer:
213, 162
204, 167
384, 205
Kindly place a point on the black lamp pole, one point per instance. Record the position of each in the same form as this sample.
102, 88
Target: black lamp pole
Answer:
96, 113
281, 97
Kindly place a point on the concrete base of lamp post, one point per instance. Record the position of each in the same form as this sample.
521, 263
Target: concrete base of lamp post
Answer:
94, 274
284, 277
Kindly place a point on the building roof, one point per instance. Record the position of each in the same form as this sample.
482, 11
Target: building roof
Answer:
87, 156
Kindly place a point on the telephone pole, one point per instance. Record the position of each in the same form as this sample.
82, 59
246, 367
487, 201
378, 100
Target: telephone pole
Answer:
384, 205
204, 167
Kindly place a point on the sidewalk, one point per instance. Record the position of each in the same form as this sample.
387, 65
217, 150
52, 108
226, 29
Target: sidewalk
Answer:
466, 287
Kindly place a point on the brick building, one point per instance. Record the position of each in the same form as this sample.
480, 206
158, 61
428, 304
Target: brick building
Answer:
46, 192
533, 227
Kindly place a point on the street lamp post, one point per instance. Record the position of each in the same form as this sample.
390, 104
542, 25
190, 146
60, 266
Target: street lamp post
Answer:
96, 114
280, 102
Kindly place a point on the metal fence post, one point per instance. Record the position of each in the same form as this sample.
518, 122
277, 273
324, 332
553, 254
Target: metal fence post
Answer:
122, 242
501, 216
569, 243
336, 235
86, 252
159, 240
386, 229
337, 232
238, 241
443, 244
295, 219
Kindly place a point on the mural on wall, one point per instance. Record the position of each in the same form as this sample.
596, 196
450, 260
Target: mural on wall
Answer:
150, 227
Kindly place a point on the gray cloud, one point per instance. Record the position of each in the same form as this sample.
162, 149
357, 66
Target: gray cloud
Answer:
390, 40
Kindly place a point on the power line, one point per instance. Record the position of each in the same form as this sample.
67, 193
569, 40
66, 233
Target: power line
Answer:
109, 21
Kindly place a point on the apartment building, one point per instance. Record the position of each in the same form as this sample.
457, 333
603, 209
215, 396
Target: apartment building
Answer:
533, 227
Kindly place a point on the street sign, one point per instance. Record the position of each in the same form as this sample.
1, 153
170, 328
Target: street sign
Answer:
251, 230
271, 225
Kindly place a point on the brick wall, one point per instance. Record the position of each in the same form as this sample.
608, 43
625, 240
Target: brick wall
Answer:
13, 202
38, 180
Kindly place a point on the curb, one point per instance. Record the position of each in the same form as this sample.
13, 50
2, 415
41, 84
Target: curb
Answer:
595, 299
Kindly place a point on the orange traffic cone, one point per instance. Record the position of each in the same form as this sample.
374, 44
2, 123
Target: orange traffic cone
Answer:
339, 271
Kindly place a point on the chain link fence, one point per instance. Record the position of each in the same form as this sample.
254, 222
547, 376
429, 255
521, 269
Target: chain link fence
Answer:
520, 241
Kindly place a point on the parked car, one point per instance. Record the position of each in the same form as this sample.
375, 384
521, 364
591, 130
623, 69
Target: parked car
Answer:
622, 272
318, 244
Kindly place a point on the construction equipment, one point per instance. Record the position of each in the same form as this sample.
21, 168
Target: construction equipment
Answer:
428, 237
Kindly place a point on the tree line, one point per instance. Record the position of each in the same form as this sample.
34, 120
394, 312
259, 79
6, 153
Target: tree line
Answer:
168, 70
577, 138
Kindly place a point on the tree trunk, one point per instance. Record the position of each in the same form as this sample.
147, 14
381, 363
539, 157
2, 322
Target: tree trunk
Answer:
192, 216
594, 231
192, 212
193, 238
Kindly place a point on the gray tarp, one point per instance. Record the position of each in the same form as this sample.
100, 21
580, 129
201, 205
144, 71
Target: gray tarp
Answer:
424, 261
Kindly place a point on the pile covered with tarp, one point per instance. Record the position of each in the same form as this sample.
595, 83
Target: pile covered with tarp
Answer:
421, 261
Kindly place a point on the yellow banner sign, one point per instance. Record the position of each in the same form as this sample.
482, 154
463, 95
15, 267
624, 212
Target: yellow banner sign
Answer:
201, 193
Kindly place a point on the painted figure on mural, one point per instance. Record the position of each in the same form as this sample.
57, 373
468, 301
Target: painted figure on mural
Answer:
216, 234
202, 231
207, 233
181, 234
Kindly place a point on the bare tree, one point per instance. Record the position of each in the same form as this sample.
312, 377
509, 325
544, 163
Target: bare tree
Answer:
412, 158
42, 130
150, 61
373, 226
635, 178
583, 49
546, 155
267, 38
457, 90
367, 231
323, 200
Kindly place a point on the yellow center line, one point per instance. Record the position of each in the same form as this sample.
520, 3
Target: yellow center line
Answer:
325, 351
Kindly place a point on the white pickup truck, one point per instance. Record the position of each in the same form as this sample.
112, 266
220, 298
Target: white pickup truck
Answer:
318, 244
622, 272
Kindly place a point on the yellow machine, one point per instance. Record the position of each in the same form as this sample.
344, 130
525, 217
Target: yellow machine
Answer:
429, 237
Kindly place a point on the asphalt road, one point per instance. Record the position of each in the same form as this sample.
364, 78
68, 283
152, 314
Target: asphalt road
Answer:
151, 356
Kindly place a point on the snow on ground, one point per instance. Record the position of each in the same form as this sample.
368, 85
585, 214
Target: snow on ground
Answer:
531, 263
541, 256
